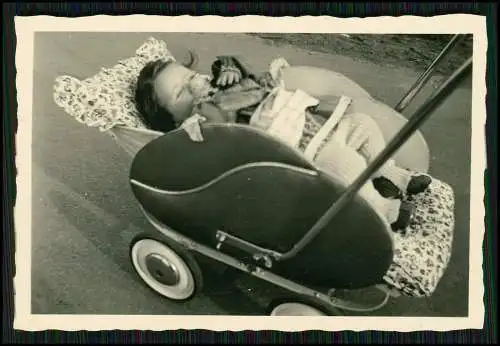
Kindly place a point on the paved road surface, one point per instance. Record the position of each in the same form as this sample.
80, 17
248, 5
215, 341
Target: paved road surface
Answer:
84, 214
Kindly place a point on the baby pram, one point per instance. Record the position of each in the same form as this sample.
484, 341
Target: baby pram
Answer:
245, 200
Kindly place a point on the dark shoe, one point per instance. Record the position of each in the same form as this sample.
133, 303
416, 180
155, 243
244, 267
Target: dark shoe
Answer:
406, 212
387, 188
418, 184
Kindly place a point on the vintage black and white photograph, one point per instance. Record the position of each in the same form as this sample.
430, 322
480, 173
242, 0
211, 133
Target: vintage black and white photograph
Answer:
220, 173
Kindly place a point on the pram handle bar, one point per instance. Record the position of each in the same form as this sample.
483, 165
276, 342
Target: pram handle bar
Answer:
424, 77
398, 140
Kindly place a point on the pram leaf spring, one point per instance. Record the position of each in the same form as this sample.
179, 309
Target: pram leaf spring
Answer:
258, 253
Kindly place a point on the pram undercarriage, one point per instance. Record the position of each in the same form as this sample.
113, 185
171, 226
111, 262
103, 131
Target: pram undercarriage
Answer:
321, 300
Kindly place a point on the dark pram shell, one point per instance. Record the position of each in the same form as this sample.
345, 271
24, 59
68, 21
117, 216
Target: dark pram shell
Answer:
243, 182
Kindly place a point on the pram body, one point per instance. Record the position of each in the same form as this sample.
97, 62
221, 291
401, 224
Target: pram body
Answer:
253, 192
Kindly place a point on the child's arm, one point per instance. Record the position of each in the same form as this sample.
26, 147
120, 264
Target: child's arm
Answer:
215, 114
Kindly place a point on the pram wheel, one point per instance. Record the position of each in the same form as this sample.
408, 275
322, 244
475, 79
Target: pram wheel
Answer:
302, 306
295, 309
167, 269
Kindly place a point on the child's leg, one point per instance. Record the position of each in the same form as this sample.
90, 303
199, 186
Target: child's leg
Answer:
345, 164
361, 132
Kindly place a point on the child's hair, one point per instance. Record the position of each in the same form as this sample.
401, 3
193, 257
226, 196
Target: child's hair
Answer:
152, 113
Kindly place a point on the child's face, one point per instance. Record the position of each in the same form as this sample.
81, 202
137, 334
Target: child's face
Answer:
178, 89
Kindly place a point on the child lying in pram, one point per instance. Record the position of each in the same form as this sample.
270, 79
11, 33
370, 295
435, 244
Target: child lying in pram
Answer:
168, 94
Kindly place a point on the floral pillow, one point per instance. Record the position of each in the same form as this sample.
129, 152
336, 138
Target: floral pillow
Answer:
106, 99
